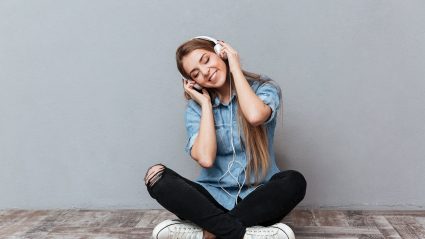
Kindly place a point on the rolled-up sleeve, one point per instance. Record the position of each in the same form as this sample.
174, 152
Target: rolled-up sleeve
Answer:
271, 95
192, 121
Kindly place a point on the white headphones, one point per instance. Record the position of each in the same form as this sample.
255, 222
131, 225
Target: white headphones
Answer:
217, 46
217, 49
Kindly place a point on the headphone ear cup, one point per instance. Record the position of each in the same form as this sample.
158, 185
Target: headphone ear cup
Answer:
217, 48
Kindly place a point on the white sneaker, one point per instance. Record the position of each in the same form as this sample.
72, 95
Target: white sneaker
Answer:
278, 231
176, 228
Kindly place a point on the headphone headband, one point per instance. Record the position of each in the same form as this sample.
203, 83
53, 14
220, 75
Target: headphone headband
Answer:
207, 38
217, 46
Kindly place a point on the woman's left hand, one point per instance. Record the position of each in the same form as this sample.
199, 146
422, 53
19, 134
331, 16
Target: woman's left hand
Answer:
232, 56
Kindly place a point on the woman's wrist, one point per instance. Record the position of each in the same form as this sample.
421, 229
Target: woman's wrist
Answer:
236, 72
206, 105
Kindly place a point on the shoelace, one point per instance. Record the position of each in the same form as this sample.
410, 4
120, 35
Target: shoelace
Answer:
183, 231
263, 231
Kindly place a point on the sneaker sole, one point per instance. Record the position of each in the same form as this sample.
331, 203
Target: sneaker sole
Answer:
161, 226
286, 229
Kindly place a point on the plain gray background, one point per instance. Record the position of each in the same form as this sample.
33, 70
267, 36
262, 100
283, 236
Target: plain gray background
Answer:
90, 96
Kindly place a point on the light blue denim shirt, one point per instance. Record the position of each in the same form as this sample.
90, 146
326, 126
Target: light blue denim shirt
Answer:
216, 179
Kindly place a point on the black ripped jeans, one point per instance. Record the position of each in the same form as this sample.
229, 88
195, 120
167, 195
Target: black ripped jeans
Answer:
265, 206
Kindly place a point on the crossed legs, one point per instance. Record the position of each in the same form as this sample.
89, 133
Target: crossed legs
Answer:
267, 205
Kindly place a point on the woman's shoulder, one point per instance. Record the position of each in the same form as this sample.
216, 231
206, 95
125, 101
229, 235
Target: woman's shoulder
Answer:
255, 84
265, 85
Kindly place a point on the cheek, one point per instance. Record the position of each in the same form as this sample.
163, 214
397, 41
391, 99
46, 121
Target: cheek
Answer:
223, 70
223, 66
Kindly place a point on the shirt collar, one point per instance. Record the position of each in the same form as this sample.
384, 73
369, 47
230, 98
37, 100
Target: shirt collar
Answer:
217, 101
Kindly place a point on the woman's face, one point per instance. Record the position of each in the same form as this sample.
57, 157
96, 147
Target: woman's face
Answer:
205, 67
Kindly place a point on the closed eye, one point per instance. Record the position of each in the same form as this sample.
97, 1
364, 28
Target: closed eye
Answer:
208, 59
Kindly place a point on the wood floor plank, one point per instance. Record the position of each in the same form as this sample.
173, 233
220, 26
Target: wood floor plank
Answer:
421, 220
337, 230
302, 218
357, 219
123, 218
151, 218
393, 212
132, 224
404, 226
299, 236
386, 229
17, 223
330, 218
48, 222
367, 236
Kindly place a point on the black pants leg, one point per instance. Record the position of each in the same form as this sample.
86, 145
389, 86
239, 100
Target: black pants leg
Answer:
190, 201
270, 203
266, 205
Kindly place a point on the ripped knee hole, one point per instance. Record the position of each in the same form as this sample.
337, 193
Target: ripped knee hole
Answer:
154, 175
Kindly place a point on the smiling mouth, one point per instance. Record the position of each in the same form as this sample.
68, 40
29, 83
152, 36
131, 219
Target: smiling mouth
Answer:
213, 74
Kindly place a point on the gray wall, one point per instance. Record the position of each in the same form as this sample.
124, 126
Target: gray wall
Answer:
90, 96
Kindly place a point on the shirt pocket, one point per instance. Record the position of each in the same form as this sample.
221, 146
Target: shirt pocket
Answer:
224, 145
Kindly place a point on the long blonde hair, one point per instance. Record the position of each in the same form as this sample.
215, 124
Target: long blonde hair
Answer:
255, 137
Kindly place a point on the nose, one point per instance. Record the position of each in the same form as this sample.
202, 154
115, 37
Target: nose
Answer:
205, 71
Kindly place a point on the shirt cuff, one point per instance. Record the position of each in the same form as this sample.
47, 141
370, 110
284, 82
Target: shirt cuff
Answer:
190, 143
272, 104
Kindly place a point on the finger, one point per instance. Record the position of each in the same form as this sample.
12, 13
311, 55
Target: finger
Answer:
189, 82
229, 50
224, 44
189, 87
191, 91
223, 52
228, 47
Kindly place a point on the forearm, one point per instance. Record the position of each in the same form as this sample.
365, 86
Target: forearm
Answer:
251, 105
205, 146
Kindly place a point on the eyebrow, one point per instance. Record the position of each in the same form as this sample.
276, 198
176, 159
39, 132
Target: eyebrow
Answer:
199, 61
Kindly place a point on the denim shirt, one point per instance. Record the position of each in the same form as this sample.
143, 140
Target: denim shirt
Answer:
217, 179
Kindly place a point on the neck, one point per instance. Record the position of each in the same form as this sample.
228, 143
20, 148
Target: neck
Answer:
224, 92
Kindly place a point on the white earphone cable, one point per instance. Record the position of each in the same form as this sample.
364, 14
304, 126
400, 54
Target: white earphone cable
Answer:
230, 164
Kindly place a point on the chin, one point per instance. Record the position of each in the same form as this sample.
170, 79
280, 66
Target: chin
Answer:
221, 80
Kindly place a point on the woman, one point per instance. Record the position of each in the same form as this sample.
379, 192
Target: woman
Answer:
230, 135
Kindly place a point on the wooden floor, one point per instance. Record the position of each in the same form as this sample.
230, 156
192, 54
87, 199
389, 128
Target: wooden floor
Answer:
108, 224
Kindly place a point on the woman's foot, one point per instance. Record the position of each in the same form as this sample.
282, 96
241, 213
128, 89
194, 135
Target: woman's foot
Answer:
278, 231
177, 228
208, 235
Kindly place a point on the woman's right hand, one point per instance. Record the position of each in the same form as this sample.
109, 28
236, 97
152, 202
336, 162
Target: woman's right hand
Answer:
201, 99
